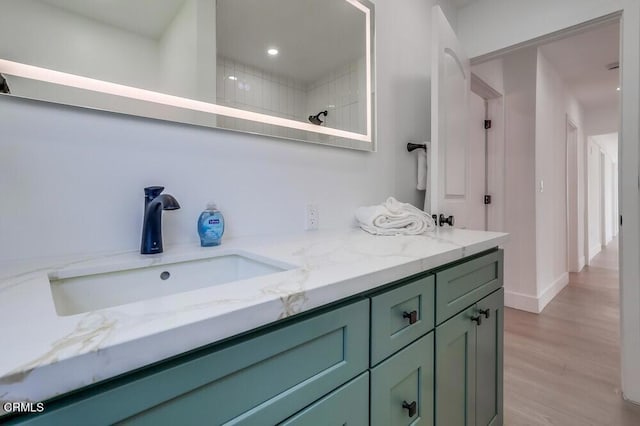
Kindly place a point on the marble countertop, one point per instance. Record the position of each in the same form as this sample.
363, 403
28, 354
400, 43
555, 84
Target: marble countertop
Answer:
45, 354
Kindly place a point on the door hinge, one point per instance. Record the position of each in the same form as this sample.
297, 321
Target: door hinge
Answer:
487, 199
487, 124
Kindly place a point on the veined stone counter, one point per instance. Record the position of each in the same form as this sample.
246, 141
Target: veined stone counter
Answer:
45, 354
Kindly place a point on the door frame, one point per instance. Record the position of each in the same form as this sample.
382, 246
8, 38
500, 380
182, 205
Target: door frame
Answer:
494, 151
603, 198
572, 203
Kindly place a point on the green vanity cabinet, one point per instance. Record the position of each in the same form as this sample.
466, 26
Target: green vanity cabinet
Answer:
425, 350
468, 383
259, 381
347, 406
402, 387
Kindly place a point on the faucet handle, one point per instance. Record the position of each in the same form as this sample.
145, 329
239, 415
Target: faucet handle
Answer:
152, 192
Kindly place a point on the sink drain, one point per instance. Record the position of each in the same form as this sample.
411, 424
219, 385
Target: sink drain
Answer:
165, 275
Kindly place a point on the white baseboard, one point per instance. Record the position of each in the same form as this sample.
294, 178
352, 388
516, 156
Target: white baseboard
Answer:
520, 301
525, 302
552, 291
593, 250
581, 263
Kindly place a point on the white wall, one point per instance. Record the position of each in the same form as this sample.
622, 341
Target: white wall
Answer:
260, 91
339, 92
491, 25
554, 103
178, 49
599, 121
92, 55
519, 71
84, 170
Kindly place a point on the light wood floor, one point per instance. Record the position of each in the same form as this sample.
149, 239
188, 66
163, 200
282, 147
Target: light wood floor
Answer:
562, 367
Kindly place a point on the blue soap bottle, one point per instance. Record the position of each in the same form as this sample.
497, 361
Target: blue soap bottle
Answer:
211, 226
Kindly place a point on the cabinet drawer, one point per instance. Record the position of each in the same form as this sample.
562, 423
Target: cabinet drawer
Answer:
392, 325
463, 285
259, 381
402, 387
348, 406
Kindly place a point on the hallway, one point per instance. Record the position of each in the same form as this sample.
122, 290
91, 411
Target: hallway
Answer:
562, 367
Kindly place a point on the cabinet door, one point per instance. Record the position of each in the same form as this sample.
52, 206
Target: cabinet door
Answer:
456, 370
346, 406
402, 387
489, 360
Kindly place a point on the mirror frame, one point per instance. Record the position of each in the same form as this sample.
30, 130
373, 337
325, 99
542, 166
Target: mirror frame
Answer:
166, 103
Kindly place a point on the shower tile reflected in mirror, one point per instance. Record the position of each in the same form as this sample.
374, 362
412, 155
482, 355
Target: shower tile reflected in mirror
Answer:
290, 59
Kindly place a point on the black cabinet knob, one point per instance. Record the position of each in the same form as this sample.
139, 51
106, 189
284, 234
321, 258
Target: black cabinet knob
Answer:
412, 316
448, 220
411, 407
485, 312
477, 319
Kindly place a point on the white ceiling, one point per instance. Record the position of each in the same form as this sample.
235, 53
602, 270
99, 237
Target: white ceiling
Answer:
148, 18
609, 143
313, 37
459, 4
581, 61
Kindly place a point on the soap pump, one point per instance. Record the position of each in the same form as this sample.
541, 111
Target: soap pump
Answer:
211, 226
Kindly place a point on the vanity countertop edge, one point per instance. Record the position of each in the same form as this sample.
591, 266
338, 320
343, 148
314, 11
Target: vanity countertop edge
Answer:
46, 355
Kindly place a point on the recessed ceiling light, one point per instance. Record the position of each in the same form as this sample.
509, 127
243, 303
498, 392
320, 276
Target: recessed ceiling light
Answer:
232, 77
272, 51
618, 89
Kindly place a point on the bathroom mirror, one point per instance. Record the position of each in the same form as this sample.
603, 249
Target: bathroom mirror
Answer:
295, 69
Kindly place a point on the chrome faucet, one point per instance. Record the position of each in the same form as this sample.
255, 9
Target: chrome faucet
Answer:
154, 203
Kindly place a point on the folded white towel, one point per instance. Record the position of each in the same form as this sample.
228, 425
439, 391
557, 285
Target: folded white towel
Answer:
394, 218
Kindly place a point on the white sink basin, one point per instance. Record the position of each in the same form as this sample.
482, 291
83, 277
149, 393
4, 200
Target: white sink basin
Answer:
75, 294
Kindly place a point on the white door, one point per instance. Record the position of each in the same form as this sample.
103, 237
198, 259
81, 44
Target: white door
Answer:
450, 94
476, 175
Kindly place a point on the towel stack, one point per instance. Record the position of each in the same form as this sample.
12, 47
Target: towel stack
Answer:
394, 218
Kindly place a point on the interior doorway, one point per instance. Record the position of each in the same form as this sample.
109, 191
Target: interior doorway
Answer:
486, 155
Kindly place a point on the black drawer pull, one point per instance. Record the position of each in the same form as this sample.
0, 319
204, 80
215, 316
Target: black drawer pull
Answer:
411, 407
477, 319
486, 312
413, 316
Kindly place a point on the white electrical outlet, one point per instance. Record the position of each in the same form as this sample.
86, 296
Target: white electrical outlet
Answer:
312, 217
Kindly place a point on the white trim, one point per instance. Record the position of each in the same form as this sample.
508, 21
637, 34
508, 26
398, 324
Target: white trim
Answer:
581, 263
594, 250
536, 304
520, 301
552, 291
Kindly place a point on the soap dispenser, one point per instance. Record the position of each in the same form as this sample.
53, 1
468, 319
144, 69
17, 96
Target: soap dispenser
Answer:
211, 226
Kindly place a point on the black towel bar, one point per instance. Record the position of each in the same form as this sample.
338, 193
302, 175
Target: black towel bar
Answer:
414, 146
